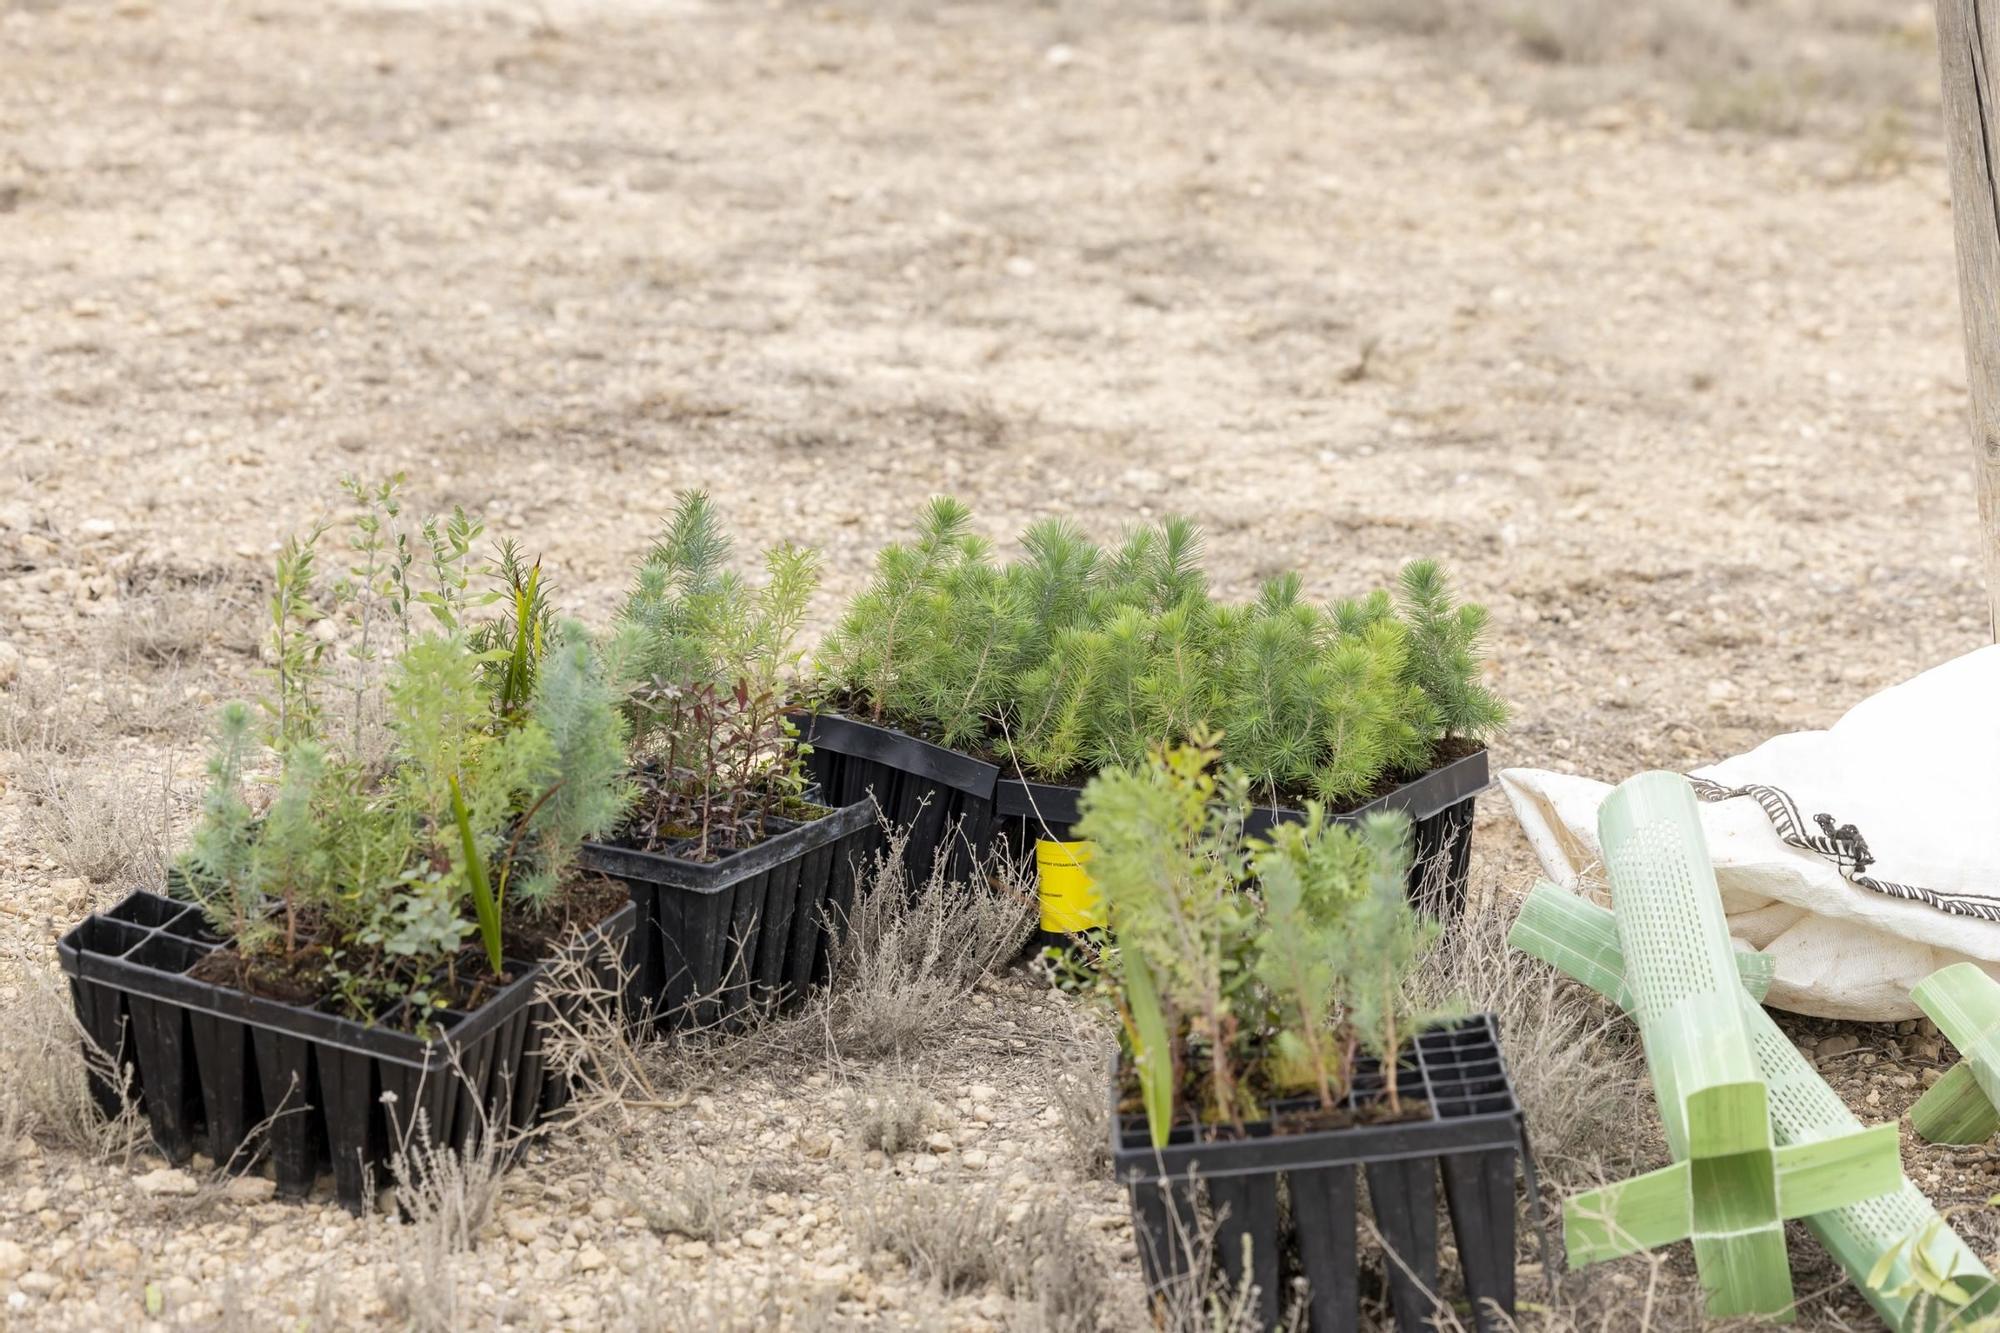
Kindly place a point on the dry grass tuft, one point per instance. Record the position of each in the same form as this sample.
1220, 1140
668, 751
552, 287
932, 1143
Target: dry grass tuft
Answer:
1076, 1089
46, 1065
894, 1115
1576, 1061
447, 1198
97, 822
163, 622
726, 1302
963, 1240
909, 955
38, 716
700, 1200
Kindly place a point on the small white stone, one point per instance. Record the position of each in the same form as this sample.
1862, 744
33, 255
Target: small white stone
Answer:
589, 1259
97, 527
250, 1189
13, 1260
37, 1283
167, 1182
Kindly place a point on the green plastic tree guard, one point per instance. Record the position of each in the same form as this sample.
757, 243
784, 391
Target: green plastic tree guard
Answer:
1580, 939
1965, 1004
1731, 1187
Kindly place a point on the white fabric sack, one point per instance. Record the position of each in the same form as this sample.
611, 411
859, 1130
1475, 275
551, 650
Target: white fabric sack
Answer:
1864, 857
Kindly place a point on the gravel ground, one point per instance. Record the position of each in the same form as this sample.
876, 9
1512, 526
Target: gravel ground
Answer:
1668, 372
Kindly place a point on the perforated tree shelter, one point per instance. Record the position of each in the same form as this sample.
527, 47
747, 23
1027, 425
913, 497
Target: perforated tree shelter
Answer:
1965, 1004
1732, 1185
1580, 939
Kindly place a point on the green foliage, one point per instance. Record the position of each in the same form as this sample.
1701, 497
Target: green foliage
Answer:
1446, 647
483, 902
378, 580
688, 621
220, 857
296, 652
1075, 659
1381, 939
586, 789
1246, 968
890, 635
505, 750
513, 644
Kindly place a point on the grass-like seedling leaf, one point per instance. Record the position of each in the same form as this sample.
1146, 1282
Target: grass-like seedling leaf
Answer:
483, 901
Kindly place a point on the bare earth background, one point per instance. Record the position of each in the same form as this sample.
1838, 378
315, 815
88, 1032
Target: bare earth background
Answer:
1646, 325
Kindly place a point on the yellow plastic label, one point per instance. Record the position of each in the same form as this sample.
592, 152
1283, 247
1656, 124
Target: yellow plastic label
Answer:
1070, 903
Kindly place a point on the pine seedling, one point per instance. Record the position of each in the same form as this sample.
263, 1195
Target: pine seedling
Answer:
587, 790
688, 622
1055, 579
1371, 720
218, 864
1382, 937
1157, 567
962, 647
761, 646
1446, 646
1051, 733
291, 858
1271, 691
1296, 958
866, 654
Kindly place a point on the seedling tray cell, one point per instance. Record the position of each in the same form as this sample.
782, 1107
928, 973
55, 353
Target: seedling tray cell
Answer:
750, 929
1469, 1135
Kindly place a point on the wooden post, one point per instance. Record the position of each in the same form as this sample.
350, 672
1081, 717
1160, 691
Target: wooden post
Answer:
1969, 52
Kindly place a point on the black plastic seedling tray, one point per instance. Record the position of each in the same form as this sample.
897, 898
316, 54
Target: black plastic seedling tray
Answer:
943, 798
1439, 805
1471, 1135
212, 1065
746, 930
